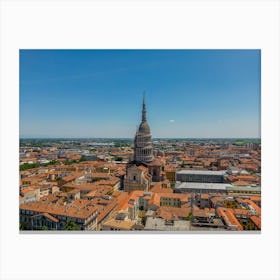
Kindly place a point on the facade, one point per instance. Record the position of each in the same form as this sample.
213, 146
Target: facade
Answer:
201, 176
244, 190
137, 178
190, 187
155, 171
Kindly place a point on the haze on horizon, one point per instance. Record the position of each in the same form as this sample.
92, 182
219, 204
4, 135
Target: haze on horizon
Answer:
98, 93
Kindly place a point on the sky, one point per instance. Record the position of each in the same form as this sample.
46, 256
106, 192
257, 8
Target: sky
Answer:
98, 93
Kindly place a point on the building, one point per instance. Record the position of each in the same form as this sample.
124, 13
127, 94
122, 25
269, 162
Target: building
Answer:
137, 178
229, 218
221, 188
114, 224
201, 176
244, 190
144, 168
53, 212
190, 187
159, 224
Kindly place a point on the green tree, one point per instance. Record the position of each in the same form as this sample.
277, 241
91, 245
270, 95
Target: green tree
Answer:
26, 166
44, 228
71, 225
52, 162
82, 159
189, 217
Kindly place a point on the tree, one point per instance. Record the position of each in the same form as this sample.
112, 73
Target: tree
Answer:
71, 225
82, 159
44, 228
26, 166
52, 162
118, 158
189, 217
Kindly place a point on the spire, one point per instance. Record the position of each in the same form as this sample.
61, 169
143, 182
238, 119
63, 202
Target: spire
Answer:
144, 119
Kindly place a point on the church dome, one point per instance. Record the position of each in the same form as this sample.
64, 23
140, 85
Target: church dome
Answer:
144, 128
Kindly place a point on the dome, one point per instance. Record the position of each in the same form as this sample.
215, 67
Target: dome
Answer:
144, 128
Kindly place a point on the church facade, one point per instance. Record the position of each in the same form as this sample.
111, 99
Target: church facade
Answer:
144, 169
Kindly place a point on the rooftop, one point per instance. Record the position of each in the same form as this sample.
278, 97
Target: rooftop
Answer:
206, 186
202, 172
247, 188
160, 224
52, 205
119, 224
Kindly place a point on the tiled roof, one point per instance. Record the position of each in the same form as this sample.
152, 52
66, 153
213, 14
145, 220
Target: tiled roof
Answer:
229, 218
78, 208
119, 224
254, 206
257, 221
169, 213
47, 215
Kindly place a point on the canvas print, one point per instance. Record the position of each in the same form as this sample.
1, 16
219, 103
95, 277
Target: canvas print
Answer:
140, 140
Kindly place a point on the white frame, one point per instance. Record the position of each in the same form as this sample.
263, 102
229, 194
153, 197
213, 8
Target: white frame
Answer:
139, 24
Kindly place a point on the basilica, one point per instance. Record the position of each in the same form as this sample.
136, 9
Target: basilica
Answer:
144, 169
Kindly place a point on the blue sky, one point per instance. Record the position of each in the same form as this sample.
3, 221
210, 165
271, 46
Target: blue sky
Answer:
98, 93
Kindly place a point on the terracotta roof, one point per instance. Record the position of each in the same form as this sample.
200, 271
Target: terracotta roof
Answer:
254, 206
169, 213
28, 159
134, 195
91, 193
203, 212
240, 183
243, 212
205, 196
101, 175
47, 215
155, 163
156, 197
106, 210
69, 178
79, 208
74, 191
143, 168
28, 189
257, 221
169, 168
119, 224
255, 198
229, 218
246, 177
157, 188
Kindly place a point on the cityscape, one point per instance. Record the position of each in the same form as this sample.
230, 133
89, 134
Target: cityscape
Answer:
142, 183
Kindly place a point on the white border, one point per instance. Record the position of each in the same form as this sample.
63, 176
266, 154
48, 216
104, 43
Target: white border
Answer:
139, 24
